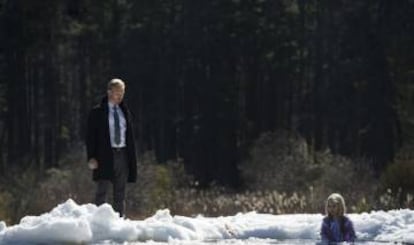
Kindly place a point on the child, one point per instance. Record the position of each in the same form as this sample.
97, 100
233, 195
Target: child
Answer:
336, 227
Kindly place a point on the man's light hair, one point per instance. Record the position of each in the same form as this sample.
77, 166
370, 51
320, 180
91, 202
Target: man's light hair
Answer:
337, 199
116, 83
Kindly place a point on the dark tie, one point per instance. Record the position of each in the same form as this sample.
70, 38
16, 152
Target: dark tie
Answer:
117, 127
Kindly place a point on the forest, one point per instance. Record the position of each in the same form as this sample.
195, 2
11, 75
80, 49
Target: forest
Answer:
222, 92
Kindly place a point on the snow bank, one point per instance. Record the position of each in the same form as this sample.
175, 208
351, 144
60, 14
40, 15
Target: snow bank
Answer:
73, 223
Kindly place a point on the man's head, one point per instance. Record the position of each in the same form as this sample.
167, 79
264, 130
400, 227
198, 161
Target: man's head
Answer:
116, 91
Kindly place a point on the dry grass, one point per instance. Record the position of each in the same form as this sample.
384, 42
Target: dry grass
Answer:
297, 184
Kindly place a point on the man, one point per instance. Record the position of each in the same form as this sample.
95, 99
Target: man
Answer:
111, 147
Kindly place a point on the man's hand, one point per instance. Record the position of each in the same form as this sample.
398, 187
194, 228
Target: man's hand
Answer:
93, 164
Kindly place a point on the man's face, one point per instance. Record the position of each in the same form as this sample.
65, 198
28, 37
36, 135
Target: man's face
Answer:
116, 95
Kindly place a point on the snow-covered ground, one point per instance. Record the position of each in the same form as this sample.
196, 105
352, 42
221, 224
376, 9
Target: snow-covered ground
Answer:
73, 223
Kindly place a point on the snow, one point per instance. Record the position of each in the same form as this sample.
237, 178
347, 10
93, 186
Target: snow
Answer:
87, 223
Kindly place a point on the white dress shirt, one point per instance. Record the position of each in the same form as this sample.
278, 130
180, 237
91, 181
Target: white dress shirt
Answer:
122, 122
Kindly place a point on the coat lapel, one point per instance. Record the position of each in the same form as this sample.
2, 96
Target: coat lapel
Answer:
105, 120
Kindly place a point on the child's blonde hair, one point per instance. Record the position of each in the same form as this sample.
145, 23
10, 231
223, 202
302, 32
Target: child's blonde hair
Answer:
337, 199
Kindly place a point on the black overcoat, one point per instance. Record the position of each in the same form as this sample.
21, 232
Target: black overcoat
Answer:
98, 142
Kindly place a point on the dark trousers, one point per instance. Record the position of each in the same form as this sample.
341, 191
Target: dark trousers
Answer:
118, 183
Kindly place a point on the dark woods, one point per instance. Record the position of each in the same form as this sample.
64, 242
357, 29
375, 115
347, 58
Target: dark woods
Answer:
206, 78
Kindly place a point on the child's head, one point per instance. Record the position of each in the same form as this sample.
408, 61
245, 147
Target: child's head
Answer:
335, 205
